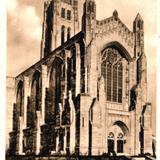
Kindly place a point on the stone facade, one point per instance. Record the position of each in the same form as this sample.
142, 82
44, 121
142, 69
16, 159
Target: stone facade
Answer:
10, 86
88, 93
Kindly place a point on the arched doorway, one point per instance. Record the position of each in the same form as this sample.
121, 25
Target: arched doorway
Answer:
117, 138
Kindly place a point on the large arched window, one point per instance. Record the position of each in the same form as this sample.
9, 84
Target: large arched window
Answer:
20, 98
53, 97
55, 80
36, 90
35, 100
71, 71
112, 71
18, 107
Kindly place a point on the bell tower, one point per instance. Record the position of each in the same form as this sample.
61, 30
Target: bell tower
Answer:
60, 23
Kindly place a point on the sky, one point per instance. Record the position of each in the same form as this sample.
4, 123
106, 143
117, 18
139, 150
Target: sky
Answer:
24, 32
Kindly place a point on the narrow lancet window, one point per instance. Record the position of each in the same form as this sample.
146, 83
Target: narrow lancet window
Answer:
68, 33
62, 34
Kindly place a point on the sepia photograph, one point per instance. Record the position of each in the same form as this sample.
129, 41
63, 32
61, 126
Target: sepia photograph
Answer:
81, 80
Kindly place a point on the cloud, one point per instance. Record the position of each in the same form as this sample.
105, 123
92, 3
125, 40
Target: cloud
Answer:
23, 38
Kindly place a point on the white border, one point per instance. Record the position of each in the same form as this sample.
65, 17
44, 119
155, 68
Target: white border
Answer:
158, 80
3, 43
3, 50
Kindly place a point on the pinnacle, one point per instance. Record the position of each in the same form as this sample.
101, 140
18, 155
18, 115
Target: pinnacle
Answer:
115, 13
138, 17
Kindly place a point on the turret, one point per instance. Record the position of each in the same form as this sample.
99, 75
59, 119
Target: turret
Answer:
89, 28
138, 35
138, 31
89, 19
115, 14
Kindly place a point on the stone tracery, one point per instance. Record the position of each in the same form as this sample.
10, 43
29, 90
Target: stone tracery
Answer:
112, 71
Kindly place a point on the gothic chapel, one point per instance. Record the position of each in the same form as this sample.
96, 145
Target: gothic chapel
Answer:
88, 92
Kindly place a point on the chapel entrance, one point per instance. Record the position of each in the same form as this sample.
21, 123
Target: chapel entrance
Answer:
116, 141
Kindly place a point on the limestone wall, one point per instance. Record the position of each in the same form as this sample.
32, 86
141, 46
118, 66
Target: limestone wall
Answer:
10, 99
110, 30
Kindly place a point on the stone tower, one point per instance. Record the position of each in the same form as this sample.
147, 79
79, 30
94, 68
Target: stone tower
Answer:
143, 109
61, 21
89, 30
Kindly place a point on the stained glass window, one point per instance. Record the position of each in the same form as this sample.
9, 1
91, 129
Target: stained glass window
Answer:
112, 71
120, 70
115, 80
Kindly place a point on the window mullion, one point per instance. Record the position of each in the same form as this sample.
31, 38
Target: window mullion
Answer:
112, 82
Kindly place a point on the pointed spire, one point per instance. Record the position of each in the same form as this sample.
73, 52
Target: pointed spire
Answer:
115, 13
138, 17
138, 23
